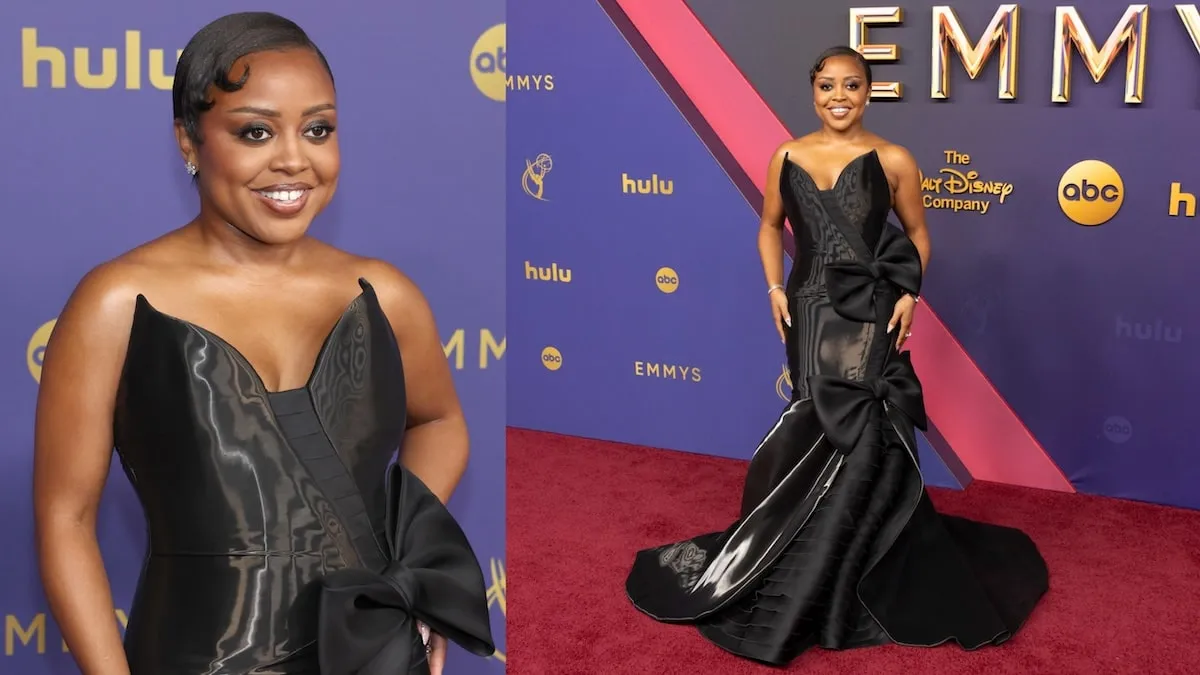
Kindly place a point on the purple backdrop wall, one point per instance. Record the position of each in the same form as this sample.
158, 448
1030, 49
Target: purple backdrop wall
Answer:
91, 172
1084, 330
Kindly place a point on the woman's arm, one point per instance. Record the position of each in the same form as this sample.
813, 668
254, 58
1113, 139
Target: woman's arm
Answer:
909, 206
73, 446
436, 445
770, 227
770, 245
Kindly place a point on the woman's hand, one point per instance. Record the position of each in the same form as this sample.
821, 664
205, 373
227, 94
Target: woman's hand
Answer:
779, 310
902, 316
437, 653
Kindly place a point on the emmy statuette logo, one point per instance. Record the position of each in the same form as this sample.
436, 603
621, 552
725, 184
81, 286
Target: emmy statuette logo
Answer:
783, 384
533, 180
497, 596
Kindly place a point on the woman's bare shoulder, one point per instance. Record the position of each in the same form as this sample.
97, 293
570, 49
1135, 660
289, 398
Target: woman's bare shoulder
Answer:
98, 314
346, 267
105, 297
113, 285
795, 146
893, 154
398, 294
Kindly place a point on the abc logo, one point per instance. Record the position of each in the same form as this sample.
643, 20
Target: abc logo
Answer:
551, 358
1091, 192
1117, 429
37, 346
488, 63
667, 280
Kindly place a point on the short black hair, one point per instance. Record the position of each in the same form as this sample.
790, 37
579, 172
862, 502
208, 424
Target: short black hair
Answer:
840, 50
210, 54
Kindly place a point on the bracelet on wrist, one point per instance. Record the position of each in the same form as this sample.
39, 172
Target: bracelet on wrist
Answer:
774, 287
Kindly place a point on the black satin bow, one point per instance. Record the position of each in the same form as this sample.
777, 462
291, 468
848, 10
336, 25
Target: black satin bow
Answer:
852, 414
366, 620
851, 284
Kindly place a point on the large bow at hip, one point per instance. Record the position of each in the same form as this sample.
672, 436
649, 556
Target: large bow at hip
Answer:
366, 620
852, 413
851, 284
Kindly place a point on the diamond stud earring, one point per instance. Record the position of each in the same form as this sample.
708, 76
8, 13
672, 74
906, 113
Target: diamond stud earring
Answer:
191, 169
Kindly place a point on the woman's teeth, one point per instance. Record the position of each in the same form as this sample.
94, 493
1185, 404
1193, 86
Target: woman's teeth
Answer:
283, 195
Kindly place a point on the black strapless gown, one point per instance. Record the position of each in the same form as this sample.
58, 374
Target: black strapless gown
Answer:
282, 538
837, 544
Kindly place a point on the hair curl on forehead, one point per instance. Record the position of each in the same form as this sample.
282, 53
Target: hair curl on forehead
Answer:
834, 52
210, 54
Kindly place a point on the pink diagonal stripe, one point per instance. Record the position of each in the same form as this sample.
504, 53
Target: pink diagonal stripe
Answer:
971, 415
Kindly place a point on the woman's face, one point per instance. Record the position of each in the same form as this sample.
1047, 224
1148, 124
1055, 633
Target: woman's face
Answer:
840, 92
269, 161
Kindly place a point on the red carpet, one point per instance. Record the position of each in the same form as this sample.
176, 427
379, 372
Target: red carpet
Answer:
1124, 576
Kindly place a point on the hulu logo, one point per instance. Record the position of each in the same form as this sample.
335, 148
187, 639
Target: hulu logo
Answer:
651, 186
552, 273
113, 63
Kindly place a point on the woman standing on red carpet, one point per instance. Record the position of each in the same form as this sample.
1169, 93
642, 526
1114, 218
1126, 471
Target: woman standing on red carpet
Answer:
838, 545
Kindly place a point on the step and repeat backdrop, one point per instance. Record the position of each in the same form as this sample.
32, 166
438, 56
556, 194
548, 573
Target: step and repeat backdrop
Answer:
91, 169
1055, 340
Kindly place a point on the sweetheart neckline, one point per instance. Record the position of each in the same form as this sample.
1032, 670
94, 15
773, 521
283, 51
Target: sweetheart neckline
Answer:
366, 290
841, 174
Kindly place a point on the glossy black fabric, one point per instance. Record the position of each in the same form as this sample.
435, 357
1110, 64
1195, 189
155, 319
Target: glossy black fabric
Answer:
271, 513
837, 544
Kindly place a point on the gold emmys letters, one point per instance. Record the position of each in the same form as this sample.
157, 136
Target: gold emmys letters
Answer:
1001, 39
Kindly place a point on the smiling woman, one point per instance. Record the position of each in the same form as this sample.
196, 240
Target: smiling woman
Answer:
241, 136
258, 413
